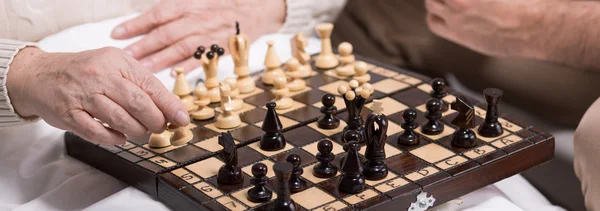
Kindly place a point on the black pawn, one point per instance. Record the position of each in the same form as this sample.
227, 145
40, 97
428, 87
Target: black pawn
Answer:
439, 92
259, 193
297, 184
283, 172
273, 139
491, 127
433, 114
352, 181
328, 121
325, 169
350, 135
409, 137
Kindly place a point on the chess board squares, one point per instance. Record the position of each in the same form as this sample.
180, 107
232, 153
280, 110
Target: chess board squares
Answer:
385, 72
304, 156
312, 198
404, 163
389, 150
422, 173
451, 162
285, 122
388, 86
391, 184
370, 66
333, 206
227, 189
143, 153
268, 163
361, 197
319, 80
411, 97
489, 139
256, 146
164, 162
389, 176
310, 98
206, 168
253, 116
186, 153
446, 132
161, 150
507, 125
507, 141
260, 99
432, 153
247, 156
526, 134
305, 114
294, 93
308, 174
213, 127
212, 144
303, 135
231, 204
480, 112
479, 151
312, 148
332, 87
334, 74
408, 79
127, 145
186, 175
427, 89
331, 132
242, 196
295, 105
422, 108
339, 103
250, 94
247, 134
393, 140
201, 133
390, 106
246, 107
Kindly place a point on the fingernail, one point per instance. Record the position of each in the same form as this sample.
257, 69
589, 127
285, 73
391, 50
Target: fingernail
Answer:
147, 64
182, 118
118, 32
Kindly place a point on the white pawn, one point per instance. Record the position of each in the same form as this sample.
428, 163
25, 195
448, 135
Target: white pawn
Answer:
228, 119
360, 68
181, 135
297, 83
281, 91
236, 102
272, 64
159, 140
204, 112
346, 67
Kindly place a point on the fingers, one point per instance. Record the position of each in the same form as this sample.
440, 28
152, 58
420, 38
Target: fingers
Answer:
114, 115
160, 38
159, 14
188, 65
176, 52
438, 26
437, 7
82, 124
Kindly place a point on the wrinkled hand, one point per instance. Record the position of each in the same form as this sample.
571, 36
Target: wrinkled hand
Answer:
175, 28
68, 90
492, 27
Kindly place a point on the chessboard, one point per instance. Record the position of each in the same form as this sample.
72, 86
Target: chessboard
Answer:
428, 173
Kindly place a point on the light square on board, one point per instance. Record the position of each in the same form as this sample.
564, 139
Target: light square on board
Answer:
245, 108
489, 139
479, 151
268, 163
231, 204
389, 85
295, 105
308, 174
285, 122
212, 144
213, 127
208, 189
141, 152
164, 162
432, 153
425, 88
242, 196
312, 148
370, 66
480, 112
337, 130
506, 141
339, 103
407, 79
185, 175
420, 174
332, 88
127, 145
391, 184
423, 109
390, 106
451, 162
393, 128
206, 168
389, 176
334, 74
312, 198
384, 72
256, 146
162, 150
250, 94
446, 132
294, 93
360, 197
336, 205
507, 125
389, 150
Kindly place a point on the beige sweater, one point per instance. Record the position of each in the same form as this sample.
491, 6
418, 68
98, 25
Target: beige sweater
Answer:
23, 22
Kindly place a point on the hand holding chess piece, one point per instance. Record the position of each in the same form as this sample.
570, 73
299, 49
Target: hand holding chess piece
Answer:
346, 67
229, 118
160, 140
239, 48
281, 92
230, 173
182, 90
181, 135
376, 135
297, 84
464, 137
272, 64
326, 59
204, 112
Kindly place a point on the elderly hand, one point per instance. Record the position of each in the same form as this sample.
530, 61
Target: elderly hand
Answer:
175, 28
492, 27
68, 90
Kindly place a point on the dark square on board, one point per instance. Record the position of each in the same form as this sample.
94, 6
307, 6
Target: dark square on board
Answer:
319, 80
247, 133
201, 133
304, 114
311, 97
226, 189
412, 97
393, 140
185, 153
447, 143
304, 156
303, 135
404, 163
247, 155
260, 100
253, 116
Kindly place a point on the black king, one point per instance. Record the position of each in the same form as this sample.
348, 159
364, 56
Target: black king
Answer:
355, 98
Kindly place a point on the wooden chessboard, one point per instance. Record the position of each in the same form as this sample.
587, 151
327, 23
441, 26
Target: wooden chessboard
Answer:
184, 177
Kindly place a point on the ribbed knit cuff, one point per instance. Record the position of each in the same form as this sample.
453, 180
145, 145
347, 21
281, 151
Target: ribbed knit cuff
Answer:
298, 17
8, 51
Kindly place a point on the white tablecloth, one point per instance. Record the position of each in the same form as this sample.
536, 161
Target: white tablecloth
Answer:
36, 173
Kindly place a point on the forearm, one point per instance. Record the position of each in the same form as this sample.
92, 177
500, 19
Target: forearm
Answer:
304, 15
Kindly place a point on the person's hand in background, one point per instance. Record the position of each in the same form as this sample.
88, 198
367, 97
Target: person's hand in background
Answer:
69, 90
175, 28
492, 27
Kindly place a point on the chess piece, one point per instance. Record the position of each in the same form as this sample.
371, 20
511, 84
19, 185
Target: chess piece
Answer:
182, 90
433, 114
355, 100
439, 92
360, 73
204, 112
346, 67
259, 193
299, 42
376, 127
283, 172
326, 59
297, 184
409, 137
181, 135
239, 48
328, 121
272, 64
160, 140
281, 93
297, 84
464, 137
236, 102
210, 64
228, 118
229, 173
273, 139
491, 127
352, 181
325, 169
349, 136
